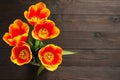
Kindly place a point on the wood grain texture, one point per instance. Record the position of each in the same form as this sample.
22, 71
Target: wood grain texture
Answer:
84, 73
82, 40
86, 7
68, 7
81, 6
76, 22
63, 73
89, 27
84, 58
91, 58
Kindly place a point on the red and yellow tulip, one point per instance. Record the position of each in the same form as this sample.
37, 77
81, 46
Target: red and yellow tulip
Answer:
21, 54
45, 29
37, 12
18, 31
50, 56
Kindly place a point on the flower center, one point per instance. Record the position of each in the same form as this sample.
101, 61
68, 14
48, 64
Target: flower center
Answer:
23, 54
35, 19
49, 56
43, 33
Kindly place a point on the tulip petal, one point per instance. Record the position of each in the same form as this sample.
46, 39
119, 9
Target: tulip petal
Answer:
52, 67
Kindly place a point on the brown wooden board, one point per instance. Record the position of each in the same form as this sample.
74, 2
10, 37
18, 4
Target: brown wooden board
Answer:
63, 73
91, 58
89, 27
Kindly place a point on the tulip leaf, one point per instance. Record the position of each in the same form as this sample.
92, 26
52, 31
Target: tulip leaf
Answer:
30, 40
67, 52
30, 43
38, 44
41, 68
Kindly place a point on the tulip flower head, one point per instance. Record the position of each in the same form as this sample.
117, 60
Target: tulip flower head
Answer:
36, 13
46, 29
50, 56
21, 54
18, 31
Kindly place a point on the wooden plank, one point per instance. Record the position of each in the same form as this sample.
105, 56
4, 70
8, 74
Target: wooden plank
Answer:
13, 72
83, 73
5, 54
109, 7
74, 22
82, 58
80, 6
89, 35
94, 40
86, 44
85, 7
93, 58
83, 40
87, 22
62, 73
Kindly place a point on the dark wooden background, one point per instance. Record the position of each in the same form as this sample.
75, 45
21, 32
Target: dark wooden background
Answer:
90, 27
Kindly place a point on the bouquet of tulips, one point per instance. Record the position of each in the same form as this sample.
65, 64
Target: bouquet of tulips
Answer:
27, 40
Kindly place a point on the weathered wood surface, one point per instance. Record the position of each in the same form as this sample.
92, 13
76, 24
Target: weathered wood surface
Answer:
106, 58
89, 27
63, 73
110, 7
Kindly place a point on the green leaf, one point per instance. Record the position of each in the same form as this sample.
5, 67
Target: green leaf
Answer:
33, 60
66, 52
38, 44
30, 40
41, 68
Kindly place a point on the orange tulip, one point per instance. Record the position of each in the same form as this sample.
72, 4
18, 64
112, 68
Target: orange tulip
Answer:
18, 31
50, 56
21, 54
46, 29
36, 13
